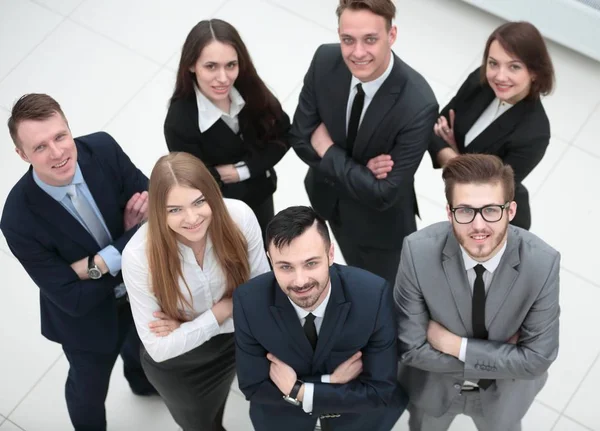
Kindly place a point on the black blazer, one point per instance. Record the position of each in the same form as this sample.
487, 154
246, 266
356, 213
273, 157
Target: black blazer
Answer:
219, 145
46, 239
399, 121
519, 137
359, 316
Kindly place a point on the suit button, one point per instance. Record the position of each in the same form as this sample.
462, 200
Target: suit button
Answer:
457, 386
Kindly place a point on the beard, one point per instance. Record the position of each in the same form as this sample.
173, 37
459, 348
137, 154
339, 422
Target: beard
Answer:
481, 251
308, 301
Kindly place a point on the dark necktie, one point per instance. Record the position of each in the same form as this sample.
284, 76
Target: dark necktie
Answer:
311, 330
478, 314
355, 113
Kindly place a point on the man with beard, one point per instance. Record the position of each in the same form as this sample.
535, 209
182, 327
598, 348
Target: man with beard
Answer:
315, 340
478, 306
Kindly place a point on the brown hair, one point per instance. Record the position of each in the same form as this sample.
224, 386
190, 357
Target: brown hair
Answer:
262, 109
524, 41
383, 8
32, 106
229, 244
478, 169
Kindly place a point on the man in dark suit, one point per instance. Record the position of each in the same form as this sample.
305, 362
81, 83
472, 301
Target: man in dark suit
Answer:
67, 221
315, 340
363, 123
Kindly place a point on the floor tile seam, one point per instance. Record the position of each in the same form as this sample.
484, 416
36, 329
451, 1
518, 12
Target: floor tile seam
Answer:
550, 171
583, 379
17, 425
578, 423
579, 276
587, 119
297, 15
37, 382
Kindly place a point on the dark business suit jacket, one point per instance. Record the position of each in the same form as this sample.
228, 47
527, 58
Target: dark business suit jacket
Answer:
359, 316
219, 145
47, 239
399, 122
519, 137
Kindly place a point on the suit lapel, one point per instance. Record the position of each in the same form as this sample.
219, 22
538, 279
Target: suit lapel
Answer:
287, 319
504, 278
470, 112
454, 268
334, 319
52, 212
338, 88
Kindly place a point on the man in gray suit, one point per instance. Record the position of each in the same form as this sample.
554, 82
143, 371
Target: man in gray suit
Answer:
478, 306
363, 123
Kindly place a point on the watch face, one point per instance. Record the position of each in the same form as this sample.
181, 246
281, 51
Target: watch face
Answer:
291, 400
94, 273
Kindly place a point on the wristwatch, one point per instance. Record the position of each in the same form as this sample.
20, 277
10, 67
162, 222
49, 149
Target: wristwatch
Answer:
93, 271
292, 398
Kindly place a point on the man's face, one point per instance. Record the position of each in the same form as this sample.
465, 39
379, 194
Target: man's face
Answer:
49, 147
366, 43
480, 238
302, 268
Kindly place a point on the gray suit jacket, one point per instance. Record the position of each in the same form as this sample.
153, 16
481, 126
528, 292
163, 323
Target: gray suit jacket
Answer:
523, 296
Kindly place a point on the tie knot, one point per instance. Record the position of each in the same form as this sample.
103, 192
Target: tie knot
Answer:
359, 89
310, 318
72, 191
479, 270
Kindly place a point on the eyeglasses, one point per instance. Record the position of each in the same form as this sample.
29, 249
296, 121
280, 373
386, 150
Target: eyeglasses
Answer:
490, 213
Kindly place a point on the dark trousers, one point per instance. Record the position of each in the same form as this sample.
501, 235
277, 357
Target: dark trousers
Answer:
264, 213
89, 375
195, 385
381, 262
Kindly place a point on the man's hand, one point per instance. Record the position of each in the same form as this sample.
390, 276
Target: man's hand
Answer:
164, 325
443, 340
81, 267
136, 210
445, 130
320, 140
228, 174
514, 339
348, 370
281, 374
381, 165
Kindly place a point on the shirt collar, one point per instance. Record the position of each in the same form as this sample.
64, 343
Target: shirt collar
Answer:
59, 192
371, 87
209, 114
490, 265
317, 312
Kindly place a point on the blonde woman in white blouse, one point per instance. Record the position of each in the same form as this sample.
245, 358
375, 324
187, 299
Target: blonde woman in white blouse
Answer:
180, 270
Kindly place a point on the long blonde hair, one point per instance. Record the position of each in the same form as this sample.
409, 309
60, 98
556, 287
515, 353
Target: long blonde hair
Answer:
229, 244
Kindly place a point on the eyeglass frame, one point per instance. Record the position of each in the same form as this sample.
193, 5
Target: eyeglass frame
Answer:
479, 211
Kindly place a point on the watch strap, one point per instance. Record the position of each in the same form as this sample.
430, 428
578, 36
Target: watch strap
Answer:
91, 263
296, 389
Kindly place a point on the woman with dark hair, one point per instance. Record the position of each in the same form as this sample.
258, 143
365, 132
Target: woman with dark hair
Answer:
224, 114
180, 269
498, 109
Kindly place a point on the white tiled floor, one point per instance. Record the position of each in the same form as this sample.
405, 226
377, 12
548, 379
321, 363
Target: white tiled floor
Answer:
111, 65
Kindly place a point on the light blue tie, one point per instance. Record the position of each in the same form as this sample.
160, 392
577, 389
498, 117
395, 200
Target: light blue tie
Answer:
92, 223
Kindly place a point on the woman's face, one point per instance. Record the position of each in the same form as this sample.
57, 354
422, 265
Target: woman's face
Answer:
508, 76
188, 214
216, 70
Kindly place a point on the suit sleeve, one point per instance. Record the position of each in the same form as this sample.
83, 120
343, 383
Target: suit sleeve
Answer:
251, 361
524, 155
263, 158
413, 320
377, 385
536, 349
55, 277
359, 183
306, 119
178, 141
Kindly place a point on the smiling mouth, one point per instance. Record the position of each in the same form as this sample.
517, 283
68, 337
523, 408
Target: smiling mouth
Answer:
361, 63
479, 237
61, 164
193, 227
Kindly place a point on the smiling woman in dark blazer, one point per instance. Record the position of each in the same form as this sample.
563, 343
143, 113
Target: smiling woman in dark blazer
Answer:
498, 110
224, 114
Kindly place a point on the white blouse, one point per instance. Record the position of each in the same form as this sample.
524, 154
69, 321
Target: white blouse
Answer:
207, 285
487, 117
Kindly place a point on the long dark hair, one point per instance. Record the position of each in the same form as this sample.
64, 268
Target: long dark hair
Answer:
262, 109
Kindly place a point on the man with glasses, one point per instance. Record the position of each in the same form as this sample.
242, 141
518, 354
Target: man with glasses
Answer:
477, 301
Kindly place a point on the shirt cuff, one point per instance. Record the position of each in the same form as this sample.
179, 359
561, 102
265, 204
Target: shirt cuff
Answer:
112, 259
462, 354
242, 170
326, 378
207, 322
307, 401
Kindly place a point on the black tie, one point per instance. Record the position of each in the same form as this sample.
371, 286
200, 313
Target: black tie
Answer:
478, 315
311, 330
355, 113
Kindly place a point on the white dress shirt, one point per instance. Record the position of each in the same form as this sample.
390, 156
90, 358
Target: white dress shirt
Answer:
370, 88
490, 266
209, 114
319, 313
487, 117
206, 283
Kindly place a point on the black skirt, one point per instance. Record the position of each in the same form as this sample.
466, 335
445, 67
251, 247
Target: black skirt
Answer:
195, 385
